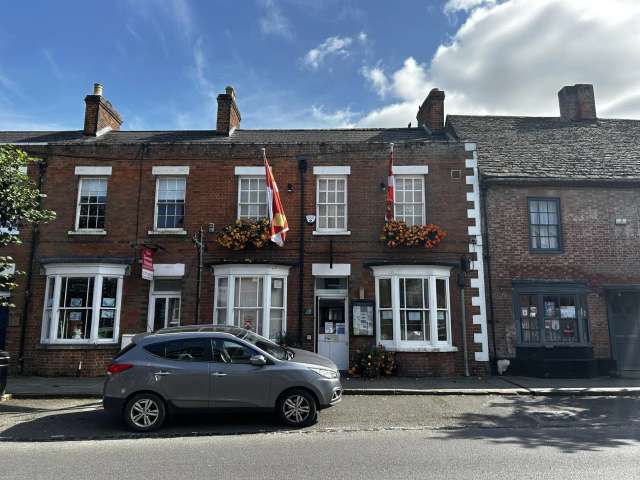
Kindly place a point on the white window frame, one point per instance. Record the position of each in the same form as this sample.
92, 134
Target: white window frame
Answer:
267, 273
424, 203
427, 272
332, 231
77, 224
96, 271
251, 177
155, 208
168, 294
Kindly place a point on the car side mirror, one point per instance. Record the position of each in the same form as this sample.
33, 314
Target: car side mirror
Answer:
258, 361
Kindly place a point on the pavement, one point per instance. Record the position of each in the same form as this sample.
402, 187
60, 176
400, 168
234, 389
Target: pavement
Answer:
91, 387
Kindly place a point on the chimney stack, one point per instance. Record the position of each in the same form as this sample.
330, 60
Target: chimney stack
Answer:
577, 102
228, 118
99, 115
431, 112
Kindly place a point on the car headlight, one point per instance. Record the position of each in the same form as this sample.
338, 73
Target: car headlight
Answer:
325, 372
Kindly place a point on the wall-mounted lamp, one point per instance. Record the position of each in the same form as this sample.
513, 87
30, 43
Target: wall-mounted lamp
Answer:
311, 219
383, 187
289, 187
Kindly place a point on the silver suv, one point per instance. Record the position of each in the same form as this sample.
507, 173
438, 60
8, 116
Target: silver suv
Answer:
215, 367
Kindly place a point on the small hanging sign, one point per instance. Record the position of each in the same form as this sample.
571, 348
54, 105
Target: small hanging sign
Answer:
147, 264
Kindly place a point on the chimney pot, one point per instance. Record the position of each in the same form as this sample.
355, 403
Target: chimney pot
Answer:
97, 89
577, 102
431, 112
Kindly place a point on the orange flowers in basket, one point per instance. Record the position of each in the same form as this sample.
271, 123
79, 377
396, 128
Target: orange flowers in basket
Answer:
242, 233
396, 233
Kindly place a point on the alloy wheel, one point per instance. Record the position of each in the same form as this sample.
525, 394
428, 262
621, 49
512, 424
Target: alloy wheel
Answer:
296, 408
144, 413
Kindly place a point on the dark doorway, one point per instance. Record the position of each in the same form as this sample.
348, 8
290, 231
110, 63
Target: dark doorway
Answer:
624, 320
4, 321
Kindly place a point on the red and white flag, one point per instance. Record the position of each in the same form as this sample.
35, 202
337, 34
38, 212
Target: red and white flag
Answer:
391, 186
277, 219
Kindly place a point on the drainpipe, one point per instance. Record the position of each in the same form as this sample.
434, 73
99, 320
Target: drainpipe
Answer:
487, 262
302, 168
42, 170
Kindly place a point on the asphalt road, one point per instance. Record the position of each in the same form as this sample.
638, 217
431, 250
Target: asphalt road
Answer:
364, 437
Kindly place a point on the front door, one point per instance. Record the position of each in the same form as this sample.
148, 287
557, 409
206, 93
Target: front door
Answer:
333, 330
624, 311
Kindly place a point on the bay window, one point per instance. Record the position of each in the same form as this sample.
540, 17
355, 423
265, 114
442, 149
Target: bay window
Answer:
82, 303
413, 307
252, 297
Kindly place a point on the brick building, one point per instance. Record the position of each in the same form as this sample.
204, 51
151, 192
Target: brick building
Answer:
561, 202
116, 192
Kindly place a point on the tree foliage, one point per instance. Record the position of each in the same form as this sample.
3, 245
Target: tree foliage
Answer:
19, 206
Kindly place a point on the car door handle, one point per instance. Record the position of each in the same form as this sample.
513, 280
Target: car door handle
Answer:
219, 374
162, 374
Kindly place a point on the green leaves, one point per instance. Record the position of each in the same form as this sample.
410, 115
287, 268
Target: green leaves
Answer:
19, 206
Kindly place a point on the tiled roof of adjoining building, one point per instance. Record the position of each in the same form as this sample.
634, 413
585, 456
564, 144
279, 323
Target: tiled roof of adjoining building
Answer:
552, 148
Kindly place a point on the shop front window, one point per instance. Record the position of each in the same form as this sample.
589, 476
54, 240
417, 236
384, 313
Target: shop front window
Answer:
82, 303
550, 318
413, 309
253, 298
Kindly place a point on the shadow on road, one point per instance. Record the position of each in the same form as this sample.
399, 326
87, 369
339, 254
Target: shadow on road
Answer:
570, 424
89, 421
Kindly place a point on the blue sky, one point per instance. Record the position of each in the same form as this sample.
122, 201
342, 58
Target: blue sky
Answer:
309, 63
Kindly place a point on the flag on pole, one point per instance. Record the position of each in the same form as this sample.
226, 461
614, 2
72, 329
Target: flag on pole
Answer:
391, 186
277, 220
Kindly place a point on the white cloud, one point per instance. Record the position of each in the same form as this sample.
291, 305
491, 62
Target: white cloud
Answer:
512, 58
332, 46
274, 22
362, 37
342, 118
465, 5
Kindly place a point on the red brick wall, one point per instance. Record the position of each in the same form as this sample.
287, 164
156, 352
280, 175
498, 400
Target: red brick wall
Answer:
596, 251
212, 198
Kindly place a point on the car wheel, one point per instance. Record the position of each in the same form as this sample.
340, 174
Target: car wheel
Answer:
297, 408
145, 412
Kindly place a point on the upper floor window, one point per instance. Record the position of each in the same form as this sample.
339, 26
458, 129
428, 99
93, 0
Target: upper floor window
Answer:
252, 198
409, 199
331, 204
92, 204
544, 224
170, 196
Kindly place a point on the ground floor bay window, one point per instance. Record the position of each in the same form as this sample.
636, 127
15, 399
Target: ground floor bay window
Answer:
82, 303
413, 307
252, 297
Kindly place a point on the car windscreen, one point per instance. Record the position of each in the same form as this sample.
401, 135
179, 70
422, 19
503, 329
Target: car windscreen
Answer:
262, 343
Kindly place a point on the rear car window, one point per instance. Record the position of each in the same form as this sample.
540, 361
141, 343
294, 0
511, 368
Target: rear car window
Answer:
184, 350
124, 350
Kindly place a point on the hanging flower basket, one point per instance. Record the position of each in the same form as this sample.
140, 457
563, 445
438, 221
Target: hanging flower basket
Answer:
396, 233
242, 233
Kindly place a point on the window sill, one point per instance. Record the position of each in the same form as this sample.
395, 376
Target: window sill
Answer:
78, 346
316, 232
87, 232
432, 349
179, 231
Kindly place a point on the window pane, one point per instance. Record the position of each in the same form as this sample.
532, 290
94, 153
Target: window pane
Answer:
173, 317
441, 293
415, 325
228, 351
253, 199
247, 292
529, 319
442, 325
544, 224
275, 324
249, 319
222, 292
384, 289
74, 324
189, 350
106, 323
414, 292
221, 316
159, 313
386, 325
277, 292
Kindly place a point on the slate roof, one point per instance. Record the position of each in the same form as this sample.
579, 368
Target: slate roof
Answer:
552, 148
240, 136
